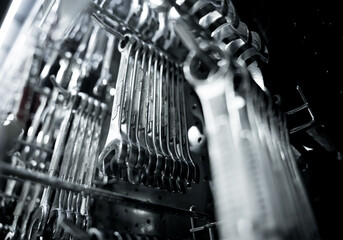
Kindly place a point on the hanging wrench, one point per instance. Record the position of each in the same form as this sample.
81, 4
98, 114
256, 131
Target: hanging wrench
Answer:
66, 197
91, 170
173, 171
152, 122
185, 143
105, 80
150, 161
133, 149
57, 209
40, 216
136, 113
178, 171
115, 152
18, 211
91, 126
36, 191
161, 103
186, 171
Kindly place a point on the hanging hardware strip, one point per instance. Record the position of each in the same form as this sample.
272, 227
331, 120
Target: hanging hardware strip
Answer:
147, 139
40, 178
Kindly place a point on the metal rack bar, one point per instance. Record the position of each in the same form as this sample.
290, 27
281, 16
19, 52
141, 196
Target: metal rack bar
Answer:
22, 174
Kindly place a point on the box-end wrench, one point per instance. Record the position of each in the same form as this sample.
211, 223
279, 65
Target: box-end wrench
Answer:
114, 153
162, 104
133, 148
136, 113
194, 176
150, 161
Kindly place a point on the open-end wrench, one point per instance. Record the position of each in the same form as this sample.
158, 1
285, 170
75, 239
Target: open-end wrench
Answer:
226, 145
173, 171
57, 209
105, 81
133, 148
161, 126
80, 177
154, 123
142, 137
194, 176
35, 192
178, 171
67, 198
114, 153
40, 216
136, 113
91, 169
186, 171
13, 231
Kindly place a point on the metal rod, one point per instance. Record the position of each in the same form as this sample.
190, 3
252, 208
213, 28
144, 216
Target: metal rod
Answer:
209, 225
22, 175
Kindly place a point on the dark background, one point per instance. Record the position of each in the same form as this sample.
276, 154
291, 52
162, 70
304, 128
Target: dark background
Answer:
305, 42
3, 8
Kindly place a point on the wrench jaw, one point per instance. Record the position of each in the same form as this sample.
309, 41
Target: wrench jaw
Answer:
79, 218
150, 180
12, 234
158, 171
112, 157
69, 213
196, 175
38, 221
57, 212
132, 174
87, 221
13, 231
167, 179
139, 167
181, 186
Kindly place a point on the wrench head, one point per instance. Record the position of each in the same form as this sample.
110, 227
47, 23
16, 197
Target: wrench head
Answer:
150, 180
158, 170
38, 221
11, 235
113, 158
196, 175
181, 185
54, 218
132, 158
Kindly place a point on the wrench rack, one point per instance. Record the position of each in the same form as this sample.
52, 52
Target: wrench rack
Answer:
74, 169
